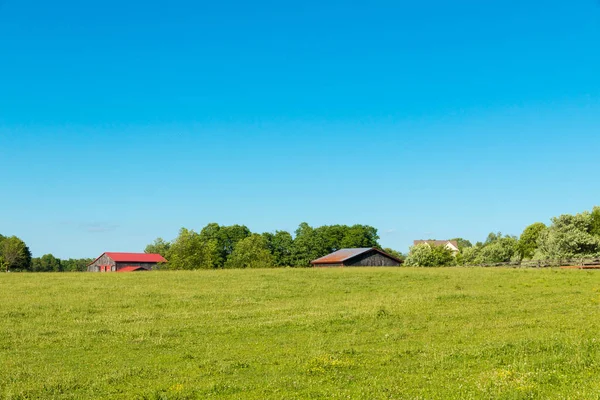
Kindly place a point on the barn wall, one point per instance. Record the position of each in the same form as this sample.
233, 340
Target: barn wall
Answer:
134, 264
102, 261
371, 259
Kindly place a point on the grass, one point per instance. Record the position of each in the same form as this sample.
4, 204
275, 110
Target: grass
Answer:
389, 333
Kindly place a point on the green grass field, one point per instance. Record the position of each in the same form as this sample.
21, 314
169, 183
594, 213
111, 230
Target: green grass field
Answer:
392, 333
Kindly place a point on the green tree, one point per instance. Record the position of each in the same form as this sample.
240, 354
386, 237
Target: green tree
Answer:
76, 264
159, 246
569, 236
229, 236
469, 255
394, 253
15, 254
595, 224
528, 242
280, 245
251, 252
492, 237
462, 243
189, 251
46, 263
427, 255
225, 238
359, 236
501, 249
308, 246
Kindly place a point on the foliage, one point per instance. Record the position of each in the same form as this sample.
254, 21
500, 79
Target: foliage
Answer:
569, 236
462, 243
428, 255
492, 237
159, 246
251, 252
189, 251
496, 249
528, 242
307, 246
75, 264
46, 263
500, 249
469, 255
14, 254
595, 224
215, 245
280, 246
394, 253
225, 238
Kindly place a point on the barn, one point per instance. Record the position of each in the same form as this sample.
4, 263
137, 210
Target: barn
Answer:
126, 262
362, 257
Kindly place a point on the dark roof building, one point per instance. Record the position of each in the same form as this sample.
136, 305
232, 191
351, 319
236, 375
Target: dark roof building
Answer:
361, 257
126, 262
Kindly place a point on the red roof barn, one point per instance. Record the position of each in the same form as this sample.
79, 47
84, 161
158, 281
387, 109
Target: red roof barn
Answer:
125, 262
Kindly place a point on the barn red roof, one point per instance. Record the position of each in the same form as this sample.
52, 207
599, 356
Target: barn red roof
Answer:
136, 257
338, 257
133, 257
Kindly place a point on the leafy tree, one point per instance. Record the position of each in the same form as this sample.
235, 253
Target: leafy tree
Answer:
229, 236
76, 264
501, 249
159, 246
330, 238
225, 238
46, 263
280, 245
427, 255
307, 246
528, 242
359, 236
595, 225
15, 254
394, 253
569, 236
492, 237
469, 255
3, 263
462, 243
189, 251
251, 252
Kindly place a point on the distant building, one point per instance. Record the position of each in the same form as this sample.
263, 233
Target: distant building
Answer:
363, 257
451, 245
126, 262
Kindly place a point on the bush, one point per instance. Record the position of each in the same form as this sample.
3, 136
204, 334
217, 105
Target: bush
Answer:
426, 255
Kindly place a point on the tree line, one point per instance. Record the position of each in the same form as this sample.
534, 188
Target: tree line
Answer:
567, 237
235, 246
16, 256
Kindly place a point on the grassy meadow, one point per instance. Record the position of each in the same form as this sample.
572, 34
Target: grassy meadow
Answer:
379, 333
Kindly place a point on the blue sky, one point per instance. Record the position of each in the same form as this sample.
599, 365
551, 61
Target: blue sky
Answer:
120, 123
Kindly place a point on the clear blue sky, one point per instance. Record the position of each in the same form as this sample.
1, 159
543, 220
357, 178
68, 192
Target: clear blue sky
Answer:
124, 121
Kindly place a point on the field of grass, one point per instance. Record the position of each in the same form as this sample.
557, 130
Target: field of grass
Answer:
390, 333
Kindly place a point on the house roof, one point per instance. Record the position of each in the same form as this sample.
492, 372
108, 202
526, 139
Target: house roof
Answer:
437, 242
338, 257
133, 257
131, 268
